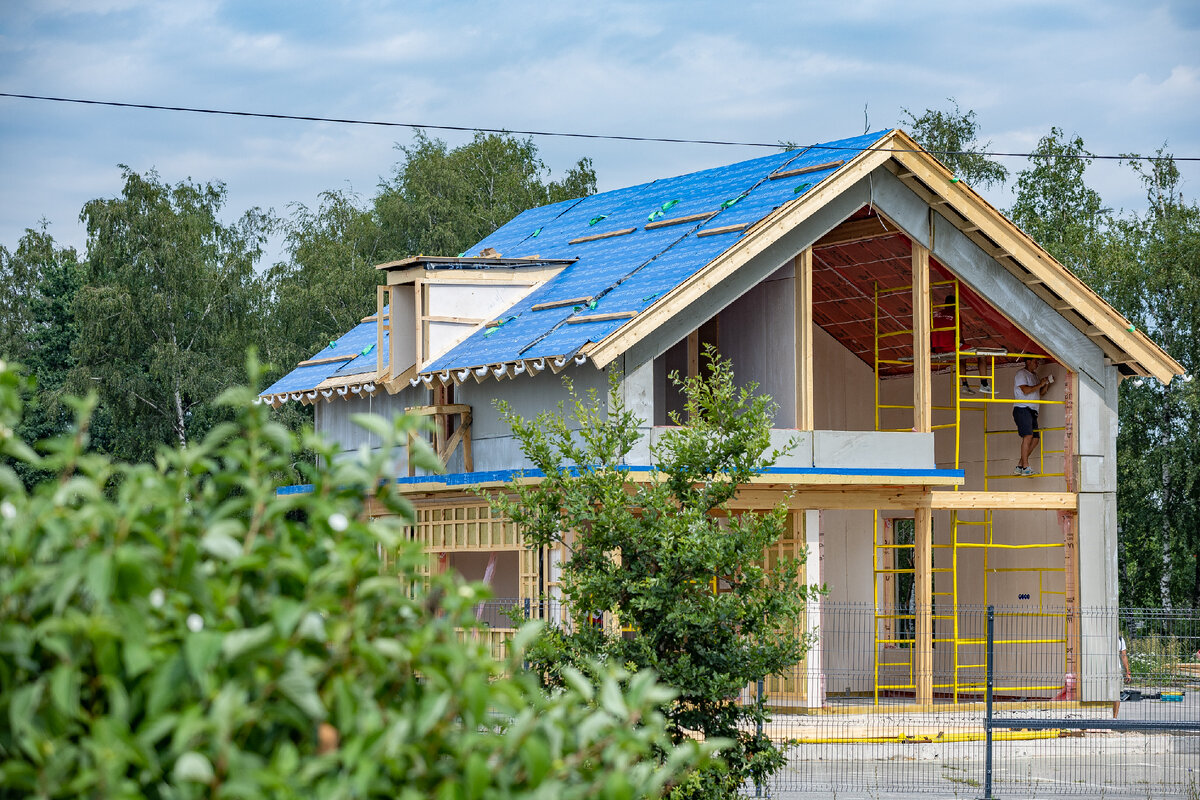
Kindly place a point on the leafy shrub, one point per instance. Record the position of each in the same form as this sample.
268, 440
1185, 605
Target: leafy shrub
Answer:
180, 629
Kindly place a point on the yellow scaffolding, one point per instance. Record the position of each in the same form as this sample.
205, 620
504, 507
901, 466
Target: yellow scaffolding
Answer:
965, 533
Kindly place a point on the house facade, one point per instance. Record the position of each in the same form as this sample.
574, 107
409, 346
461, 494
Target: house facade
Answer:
875, 297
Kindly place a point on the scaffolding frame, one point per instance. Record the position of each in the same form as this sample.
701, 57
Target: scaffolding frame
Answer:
884, 551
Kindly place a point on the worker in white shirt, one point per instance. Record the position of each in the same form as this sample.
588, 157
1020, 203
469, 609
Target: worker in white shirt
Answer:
1026, 387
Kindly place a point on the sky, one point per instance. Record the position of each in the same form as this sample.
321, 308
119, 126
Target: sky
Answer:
1123, 76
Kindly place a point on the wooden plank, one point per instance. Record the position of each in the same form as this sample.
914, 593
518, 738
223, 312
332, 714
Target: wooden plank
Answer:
1067, 501
757, 239
802, 314
381, 295
312, 362
456, 320
602, 317
693, 354
663, 223
806, 170
723, 229
922, 364
857, 230
923, 589
597, 236
574, 301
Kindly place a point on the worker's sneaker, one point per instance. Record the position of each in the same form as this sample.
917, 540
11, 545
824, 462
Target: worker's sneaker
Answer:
966, 388
1022, 471
985, 387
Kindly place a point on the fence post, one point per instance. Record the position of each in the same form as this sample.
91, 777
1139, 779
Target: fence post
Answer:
759, 731
987, 721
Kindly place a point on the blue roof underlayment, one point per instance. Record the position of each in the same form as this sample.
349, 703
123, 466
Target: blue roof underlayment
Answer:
505, 475
623, 273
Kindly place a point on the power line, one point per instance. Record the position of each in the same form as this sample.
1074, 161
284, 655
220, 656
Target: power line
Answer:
570, 135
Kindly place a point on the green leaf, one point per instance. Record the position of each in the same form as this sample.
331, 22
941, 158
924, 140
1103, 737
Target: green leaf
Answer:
200, 651
220, 544
194, 767
238, 643
299, 687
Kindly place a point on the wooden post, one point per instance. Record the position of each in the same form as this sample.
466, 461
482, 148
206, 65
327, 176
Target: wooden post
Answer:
922, 411
381, 293
923, 584
804, 340
693, 354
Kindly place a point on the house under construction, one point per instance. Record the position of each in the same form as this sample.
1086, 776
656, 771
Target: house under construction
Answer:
823, 274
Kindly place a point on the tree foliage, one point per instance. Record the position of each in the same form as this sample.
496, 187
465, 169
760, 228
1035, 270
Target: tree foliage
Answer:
683, 575
166, 308
179, 629
1145, 265
38, 284
441, 201
953, 137
1055, 205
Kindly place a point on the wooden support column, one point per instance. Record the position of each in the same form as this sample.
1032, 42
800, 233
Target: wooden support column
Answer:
923, 585
382, 293
804, 340
922, 405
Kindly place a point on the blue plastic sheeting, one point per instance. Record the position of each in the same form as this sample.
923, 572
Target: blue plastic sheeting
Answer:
630, 272
493, 476
353, 343
627, 273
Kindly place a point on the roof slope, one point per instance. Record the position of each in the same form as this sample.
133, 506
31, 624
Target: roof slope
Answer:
643, 253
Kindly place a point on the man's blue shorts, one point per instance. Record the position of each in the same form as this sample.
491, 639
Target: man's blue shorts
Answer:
1026, 419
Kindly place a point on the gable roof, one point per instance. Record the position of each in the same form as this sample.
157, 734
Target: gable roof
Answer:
640, 255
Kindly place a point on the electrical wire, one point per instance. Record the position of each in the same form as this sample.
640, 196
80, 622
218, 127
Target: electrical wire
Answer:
571, 135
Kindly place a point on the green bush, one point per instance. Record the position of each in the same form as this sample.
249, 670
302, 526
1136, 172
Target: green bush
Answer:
652, 553
180, 629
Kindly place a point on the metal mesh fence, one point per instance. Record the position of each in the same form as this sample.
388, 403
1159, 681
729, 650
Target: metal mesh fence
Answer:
857, 718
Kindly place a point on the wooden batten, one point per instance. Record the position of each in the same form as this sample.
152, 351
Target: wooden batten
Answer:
723, 229
312, 362
791, 173
574, 301
602, 317
598, 236
664, 223
857, 230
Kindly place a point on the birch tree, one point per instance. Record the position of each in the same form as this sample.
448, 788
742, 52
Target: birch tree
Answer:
166, 309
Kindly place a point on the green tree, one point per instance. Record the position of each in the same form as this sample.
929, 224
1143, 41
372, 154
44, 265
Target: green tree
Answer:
1055, 206
1150, 274
441, 201
182, 630
166, 309
653, 552
38, 284
953, 137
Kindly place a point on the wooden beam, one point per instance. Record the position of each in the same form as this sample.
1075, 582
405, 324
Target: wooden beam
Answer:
598, 236
574, 301
723, 229
602, 317
922, 364
1065, 501
663, 223
923, 589
312, 362
693, 353
857, 230
802, 315
382, 293
806, 170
